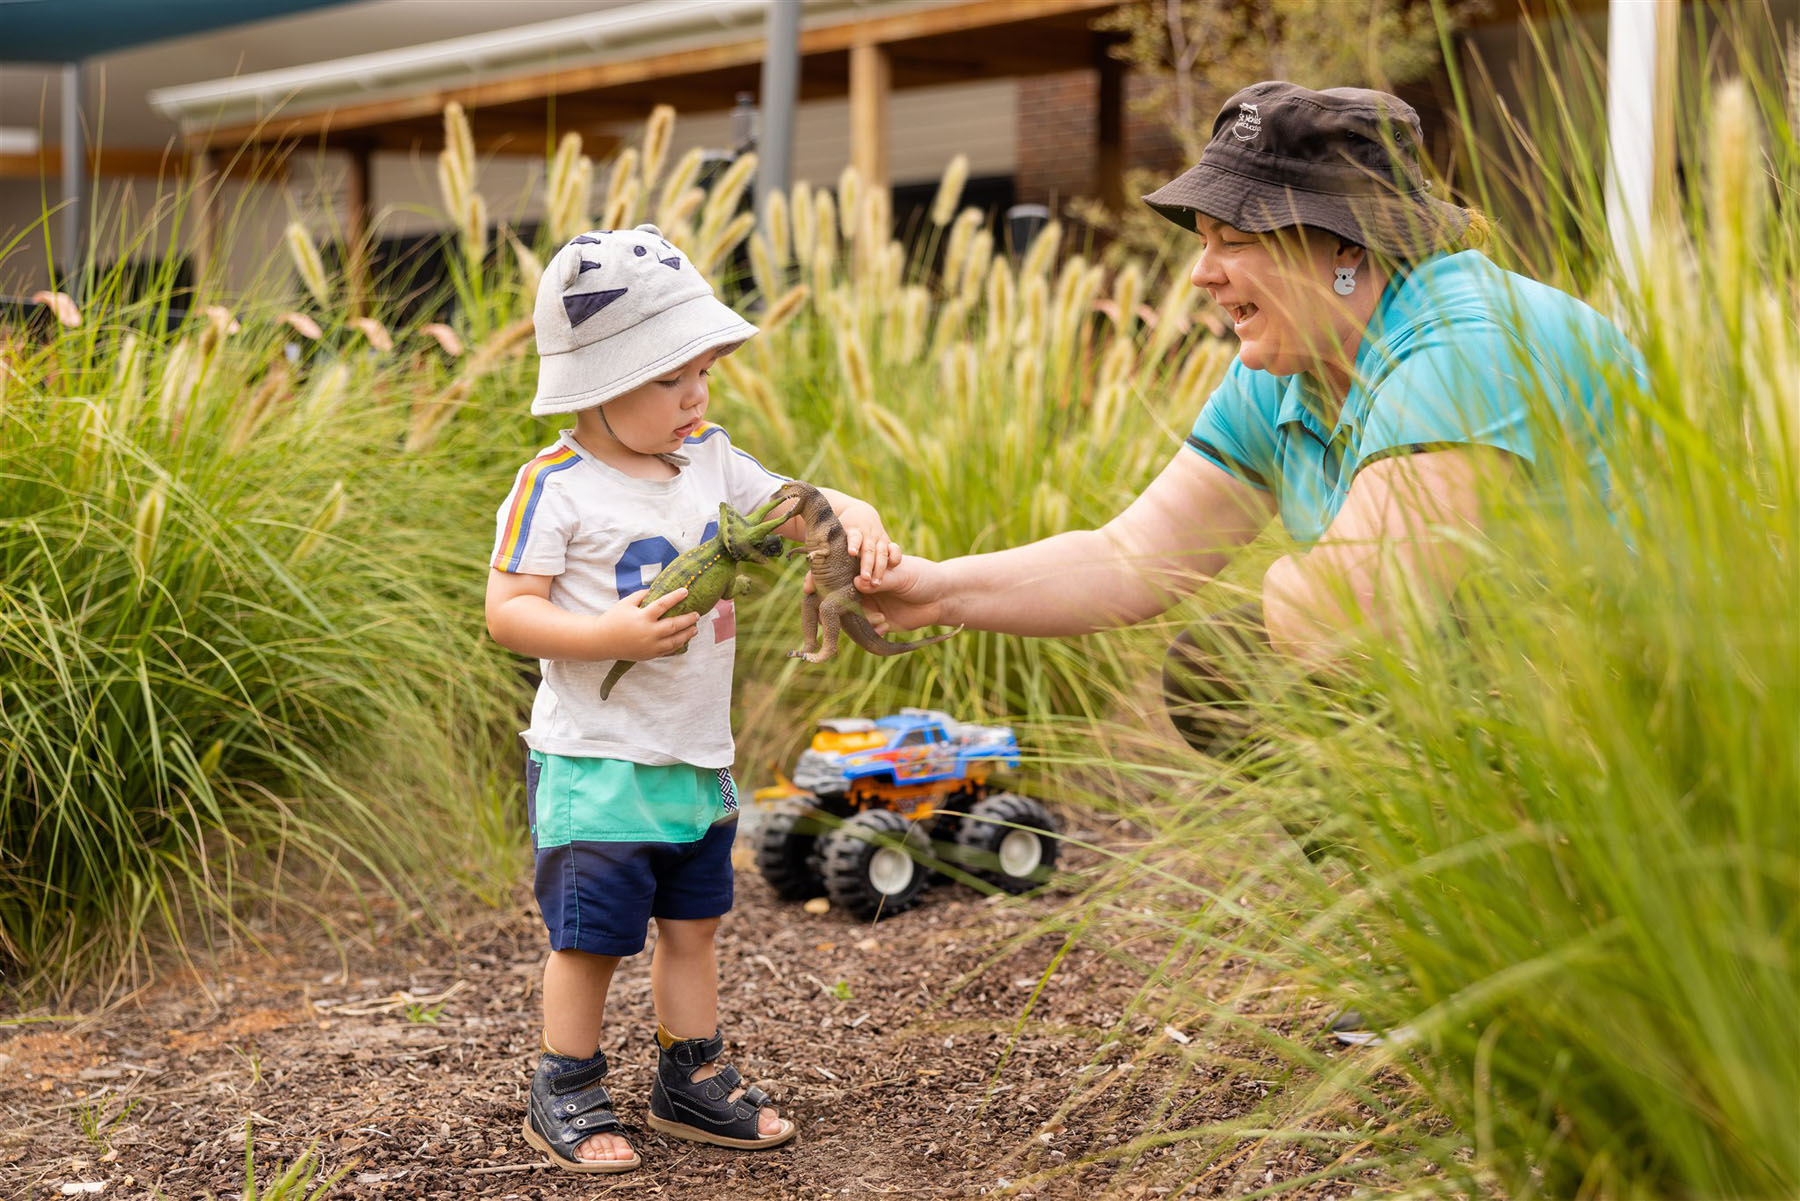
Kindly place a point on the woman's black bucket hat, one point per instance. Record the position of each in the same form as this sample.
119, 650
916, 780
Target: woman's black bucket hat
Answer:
1344, 160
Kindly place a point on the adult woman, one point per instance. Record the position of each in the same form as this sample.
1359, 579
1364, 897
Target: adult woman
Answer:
1385, 384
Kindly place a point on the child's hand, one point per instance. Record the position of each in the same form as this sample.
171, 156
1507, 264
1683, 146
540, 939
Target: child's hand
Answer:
867, 539
633, 629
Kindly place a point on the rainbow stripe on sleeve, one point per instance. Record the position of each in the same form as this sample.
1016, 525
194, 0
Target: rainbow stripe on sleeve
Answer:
525, 499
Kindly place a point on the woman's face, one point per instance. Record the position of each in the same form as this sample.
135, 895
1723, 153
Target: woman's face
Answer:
1276, 289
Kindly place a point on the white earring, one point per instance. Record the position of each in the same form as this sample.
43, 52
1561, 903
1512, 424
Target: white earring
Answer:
1345, 283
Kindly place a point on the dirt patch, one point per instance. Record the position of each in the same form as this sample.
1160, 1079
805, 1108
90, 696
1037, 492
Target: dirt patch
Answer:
900, 1048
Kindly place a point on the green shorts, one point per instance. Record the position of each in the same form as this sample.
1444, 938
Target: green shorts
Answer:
616, 844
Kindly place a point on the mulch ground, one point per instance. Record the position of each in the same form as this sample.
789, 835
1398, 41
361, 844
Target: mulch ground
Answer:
897, 1046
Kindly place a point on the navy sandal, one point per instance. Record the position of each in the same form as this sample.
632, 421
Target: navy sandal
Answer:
704, 1111
568, 1106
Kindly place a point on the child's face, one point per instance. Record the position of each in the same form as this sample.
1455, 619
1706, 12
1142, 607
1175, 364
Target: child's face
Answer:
653, 418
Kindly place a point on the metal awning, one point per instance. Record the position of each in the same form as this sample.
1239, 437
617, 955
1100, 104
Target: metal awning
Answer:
66, 31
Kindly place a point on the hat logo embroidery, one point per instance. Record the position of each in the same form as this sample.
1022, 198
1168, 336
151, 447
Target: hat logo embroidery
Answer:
582, 305
1249, 123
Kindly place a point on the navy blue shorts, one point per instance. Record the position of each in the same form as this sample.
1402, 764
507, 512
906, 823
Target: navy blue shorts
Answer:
598, 894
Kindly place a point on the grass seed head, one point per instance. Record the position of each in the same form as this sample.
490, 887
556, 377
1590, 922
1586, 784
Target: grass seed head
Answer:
301, 324
784, 309
762, 267
322, 402
311, 268
676, 186
911, 317
182, 373
445, 337
459, 140
453, 187
1041, 254
1028, 373
723, 202
956, 246
949, 193
374, 331
999, 315
220, 324
147, 525
1172, 320
128, 380
805, 237
621, 203
1128, 289
622, 175
531, 272
854, 360
62, 306
658, 131
330, 512
1034, 302
728, 240
475, 230
974, 273
274, 388
1116, 364
775, 220
951, 319
849, 201
562, 161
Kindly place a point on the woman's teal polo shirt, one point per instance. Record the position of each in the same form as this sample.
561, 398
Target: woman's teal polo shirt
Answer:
1458, 353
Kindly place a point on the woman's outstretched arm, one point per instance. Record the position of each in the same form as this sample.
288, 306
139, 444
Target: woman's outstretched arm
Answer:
1178, 533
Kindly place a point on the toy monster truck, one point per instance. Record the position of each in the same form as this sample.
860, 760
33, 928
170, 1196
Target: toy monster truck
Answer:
869, 799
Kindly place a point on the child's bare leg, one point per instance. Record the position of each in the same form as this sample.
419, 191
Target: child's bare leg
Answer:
575, 985
684, 982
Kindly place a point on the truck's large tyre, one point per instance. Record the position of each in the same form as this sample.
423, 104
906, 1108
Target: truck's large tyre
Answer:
786, 854
871, 865
1014, 860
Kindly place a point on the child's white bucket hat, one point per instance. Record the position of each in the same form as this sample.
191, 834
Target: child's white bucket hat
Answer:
616, 309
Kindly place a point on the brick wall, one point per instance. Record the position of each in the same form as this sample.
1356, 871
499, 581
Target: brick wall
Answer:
1057, 116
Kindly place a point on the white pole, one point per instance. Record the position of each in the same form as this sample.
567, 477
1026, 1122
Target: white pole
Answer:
1631, 62
780, 90
74, 177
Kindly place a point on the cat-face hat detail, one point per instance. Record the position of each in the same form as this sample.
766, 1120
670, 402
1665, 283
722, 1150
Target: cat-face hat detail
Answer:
617, 309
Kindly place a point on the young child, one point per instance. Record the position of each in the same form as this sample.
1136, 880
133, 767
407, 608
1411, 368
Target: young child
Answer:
631, 800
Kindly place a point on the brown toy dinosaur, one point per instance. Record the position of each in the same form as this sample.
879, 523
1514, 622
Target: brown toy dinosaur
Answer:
834, 603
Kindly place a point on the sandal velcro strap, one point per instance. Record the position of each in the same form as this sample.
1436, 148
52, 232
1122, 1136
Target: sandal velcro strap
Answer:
579, 1077
577, 1130
568, 1106
691, 1053
754, 1097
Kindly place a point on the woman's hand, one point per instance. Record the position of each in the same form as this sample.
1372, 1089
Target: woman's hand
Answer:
908, 596
636, 629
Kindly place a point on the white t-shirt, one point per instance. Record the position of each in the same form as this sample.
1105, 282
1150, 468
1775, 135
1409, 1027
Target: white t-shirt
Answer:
604, 535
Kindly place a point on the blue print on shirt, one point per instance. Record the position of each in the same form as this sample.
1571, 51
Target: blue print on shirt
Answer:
648, 553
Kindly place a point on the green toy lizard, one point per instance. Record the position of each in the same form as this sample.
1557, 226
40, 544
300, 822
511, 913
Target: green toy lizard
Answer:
710, 570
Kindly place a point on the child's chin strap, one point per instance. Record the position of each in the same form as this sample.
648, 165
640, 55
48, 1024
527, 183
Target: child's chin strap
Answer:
672, 459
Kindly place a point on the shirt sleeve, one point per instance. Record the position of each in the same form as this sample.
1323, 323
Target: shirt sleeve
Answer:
1235, 431
1458, 386
535, 524
748, 484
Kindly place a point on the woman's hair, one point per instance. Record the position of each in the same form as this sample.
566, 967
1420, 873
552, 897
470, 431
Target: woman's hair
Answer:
1477, 235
